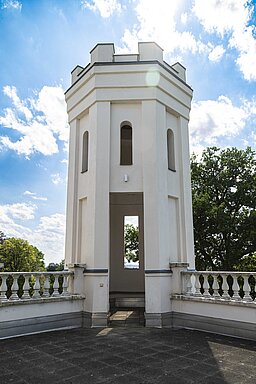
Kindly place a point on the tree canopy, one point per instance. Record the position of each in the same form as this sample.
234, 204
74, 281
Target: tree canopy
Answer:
53, 267
131, 242
20, 256
2, 237
224, 207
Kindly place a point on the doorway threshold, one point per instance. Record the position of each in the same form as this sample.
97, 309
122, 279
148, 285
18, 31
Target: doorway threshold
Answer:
127, 300
127, 317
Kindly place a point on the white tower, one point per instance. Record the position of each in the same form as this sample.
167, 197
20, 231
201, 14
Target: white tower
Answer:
129, 160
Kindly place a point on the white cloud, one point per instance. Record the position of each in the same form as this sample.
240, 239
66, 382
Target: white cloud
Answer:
20, 106
216, 54
12, 4
106, 8
221, 16
156, 20
40, 121
253, 136
48, 236
245, 43
20, 211
231, 18
29, 193
34, 196
184, 18
212, 119
56, 178
41, 198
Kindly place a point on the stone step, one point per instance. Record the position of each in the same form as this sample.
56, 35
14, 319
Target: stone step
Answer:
125, 317
130, 302
127, 301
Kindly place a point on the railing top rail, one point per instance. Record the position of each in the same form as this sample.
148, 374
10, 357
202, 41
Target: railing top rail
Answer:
56, 273
237, 273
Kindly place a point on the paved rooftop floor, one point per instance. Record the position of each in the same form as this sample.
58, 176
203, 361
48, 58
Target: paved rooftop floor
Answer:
121, 355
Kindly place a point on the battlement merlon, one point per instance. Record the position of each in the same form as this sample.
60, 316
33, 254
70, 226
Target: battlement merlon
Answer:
147, 52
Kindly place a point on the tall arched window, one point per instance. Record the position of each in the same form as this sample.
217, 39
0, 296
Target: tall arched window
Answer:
170, 150
85, 152
125, 143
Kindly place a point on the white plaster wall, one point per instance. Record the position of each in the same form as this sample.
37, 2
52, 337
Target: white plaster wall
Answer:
83, 179
126, 112
174, 229
26, 310
229, 311
157, 246
186, 197
97, 292
71, 216
157, 299
98, 187
104, 83
173, 177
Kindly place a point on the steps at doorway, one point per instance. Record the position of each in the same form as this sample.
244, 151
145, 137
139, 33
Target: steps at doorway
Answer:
127, 300
127, 317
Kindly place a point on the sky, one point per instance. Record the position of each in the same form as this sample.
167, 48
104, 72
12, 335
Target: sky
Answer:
41, 41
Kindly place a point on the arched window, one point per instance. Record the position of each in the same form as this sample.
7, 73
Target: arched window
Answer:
170, 150
126, 144
85, 152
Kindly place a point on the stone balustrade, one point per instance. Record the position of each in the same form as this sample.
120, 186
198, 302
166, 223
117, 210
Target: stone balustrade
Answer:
15, 286
226, 286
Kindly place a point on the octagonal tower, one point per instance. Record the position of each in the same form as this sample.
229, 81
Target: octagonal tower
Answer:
129, 160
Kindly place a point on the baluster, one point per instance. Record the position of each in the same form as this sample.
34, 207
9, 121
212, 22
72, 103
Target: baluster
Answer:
14, 288
225, 287
46, 292
36, 294
247, 289
235, 288
65, 286
192, 280
55, 286
197, 285
3, 289
253, 287
206, 286
70, 281
215, 287
26, 287
187, 284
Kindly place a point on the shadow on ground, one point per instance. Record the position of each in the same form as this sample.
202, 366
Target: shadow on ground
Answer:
123, 355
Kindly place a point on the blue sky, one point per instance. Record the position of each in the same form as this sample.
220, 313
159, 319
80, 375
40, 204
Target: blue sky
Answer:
42, 41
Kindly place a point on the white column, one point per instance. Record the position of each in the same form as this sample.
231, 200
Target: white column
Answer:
97, 262
156, 224
71, 220
187, 234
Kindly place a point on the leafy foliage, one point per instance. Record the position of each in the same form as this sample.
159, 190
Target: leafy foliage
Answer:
247, 263
224, 207
2, 237
52, 267
131, 240
20, 256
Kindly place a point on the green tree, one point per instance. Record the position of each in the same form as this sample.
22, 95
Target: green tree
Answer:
2, 237
20, 256
52, 267
131, 242
224, 207
247, 263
